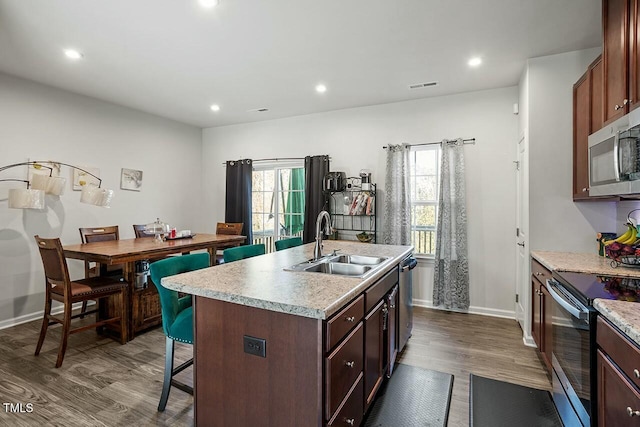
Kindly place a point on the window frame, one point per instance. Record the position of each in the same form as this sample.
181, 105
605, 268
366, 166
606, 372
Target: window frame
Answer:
276, 167
415, 229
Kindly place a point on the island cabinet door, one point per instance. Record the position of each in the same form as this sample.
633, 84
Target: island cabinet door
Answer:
234, 387
374, 351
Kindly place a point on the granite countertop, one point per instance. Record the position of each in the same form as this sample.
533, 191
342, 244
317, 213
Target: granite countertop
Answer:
261, 281
624, 314
583, 263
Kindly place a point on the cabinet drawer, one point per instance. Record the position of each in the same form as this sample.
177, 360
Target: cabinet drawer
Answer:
618, 399
622, 351
344, 321
343, 366
376, 292
351, 411
540, 272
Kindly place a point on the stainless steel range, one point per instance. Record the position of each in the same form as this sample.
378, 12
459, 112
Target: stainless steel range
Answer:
574, 339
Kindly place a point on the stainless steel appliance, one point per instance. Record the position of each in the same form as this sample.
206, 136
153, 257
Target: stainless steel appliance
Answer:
614, 157
335, 181
405, 312
574, 340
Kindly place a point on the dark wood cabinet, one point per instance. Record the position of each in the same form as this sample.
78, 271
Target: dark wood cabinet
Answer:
316, 372
615, 58
374, 351
618, 377
587, 118
541, 317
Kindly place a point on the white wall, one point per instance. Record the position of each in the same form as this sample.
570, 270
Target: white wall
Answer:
39, 122
556, 222
354, 139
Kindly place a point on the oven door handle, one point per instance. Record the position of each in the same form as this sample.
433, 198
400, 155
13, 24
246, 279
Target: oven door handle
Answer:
577, 312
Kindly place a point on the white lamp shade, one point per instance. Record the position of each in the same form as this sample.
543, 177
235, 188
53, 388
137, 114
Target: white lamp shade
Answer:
96, 196
23, 198
50, 184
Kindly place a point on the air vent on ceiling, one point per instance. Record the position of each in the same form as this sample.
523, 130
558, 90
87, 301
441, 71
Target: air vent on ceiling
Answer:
420, 85
258, 110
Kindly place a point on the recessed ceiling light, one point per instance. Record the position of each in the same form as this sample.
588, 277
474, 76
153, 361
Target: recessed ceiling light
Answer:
321, 88
208, 3
215, 107
73, 54
474, 62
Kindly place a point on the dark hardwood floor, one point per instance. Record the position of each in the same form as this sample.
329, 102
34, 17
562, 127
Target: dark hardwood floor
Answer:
103, 383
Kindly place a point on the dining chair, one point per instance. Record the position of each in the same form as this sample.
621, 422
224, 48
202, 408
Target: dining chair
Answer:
139, 230
242, 252
230, 229
288, 243
177, 316
99, 234
60, 288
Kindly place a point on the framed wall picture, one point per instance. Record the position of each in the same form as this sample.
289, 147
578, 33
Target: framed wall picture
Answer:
131, 179
81, 178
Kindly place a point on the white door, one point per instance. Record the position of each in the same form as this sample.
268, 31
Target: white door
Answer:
522, 236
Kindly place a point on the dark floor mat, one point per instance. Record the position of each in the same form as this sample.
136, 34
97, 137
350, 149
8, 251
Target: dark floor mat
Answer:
412, 397
494, 403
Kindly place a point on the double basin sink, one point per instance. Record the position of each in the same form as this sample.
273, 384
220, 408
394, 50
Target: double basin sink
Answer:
341, 264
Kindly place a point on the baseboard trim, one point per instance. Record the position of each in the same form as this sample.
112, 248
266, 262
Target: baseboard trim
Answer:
528, 341
505, 314
36, 315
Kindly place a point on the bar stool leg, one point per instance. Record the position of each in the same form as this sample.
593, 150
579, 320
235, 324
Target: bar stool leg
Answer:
168, 373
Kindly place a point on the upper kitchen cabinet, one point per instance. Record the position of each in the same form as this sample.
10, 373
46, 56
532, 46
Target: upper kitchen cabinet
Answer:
587, 118
621, 56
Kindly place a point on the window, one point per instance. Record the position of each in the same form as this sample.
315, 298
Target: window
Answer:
277, 203
424, 175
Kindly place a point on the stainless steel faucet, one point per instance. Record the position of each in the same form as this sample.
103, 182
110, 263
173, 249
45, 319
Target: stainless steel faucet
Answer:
317, 251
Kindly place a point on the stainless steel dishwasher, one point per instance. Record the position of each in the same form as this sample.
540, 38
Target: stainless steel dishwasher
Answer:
405, 298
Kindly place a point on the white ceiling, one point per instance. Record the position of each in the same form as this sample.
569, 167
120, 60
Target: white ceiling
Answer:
174, 59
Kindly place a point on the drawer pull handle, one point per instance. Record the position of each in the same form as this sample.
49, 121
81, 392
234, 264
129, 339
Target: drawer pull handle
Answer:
538, 273
632, 413
350, 364
636, 373
350, 421
350, 319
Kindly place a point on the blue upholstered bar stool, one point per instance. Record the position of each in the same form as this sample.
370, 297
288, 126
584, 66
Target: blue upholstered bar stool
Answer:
288, 243
177, 316
242, 252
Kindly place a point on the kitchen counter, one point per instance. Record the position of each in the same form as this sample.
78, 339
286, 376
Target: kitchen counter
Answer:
582, 263
291, 348
261, 282
625, 315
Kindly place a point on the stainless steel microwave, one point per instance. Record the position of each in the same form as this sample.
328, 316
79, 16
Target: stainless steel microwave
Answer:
614, 158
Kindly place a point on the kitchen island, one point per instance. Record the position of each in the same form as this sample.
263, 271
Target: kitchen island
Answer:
281, 348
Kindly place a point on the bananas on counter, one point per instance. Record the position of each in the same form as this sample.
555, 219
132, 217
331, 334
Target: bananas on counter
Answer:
628, 238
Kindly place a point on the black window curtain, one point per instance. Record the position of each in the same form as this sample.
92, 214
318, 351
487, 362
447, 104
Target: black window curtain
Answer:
238, 195
315, 200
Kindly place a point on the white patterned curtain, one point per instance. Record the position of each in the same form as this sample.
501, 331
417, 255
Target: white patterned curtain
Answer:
451, 277
397, 203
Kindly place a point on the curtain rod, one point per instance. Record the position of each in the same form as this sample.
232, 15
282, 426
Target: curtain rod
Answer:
274, 159
464, 141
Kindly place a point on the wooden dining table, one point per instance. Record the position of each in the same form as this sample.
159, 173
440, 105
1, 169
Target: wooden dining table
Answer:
144, 304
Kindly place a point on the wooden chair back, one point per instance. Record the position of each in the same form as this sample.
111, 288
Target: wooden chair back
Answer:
99, 234
55, 264
139, 230
229, 228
